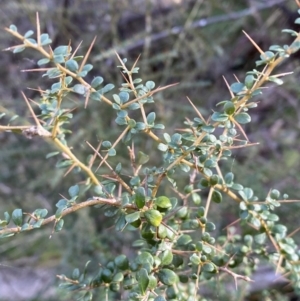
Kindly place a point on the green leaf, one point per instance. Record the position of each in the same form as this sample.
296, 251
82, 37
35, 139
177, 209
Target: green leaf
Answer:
59, 59
154, 217
18, 49
121, 223
7, 217
151, 118
13, 118
145, 257
166, 257
195, 259
196, 198
142, 158
51, 154
45, 39
131, 123
275, 194
162, 147
17, 217
242, 118
152, 282
249, 81
237, 87
79, 89
72, 65
73, 191
13, 27
150, 85
163, 202
106, 89
119, 277
75, 274
208, 267
43, 61
167, 277
40, 213
130, 218
111, 211
275, 80
229, 178
106, 144
209, 227
219, 117
96, 82
143, 280
112, 152
88, 67
124, 96
25, 227
59, 225
184, 240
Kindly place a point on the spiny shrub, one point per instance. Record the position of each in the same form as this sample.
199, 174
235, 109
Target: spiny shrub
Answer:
180, 245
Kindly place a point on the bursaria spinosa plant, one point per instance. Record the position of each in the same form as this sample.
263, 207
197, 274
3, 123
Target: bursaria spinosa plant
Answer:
179, 246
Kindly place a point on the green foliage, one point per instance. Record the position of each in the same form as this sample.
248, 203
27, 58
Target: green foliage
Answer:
178, 239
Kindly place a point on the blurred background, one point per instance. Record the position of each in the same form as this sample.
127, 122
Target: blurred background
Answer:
190, 42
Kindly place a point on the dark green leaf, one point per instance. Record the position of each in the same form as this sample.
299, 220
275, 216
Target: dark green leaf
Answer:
167, 277
229, 108
216, 196
140, 197
143, 280
121, 262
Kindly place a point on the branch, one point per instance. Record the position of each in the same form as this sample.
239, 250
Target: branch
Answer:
91, 202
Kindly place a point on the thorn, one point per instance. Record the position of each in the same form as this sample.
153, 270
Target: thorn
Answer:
197, 111
255, 45
228, 87
87, 54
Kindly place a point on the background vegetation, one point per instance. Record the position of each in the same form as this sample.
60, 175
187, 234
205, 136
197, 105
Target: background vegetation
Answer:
173, 48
